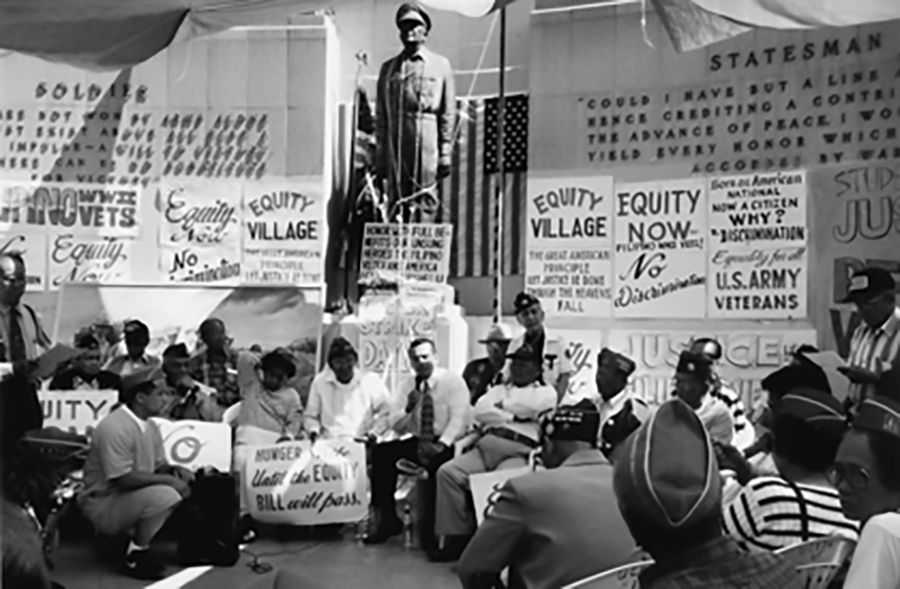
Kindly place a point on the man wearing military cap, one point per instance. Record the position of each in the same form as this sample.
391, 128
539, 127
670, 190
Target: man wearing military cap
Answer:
482, 373
507, 418
129, 488
866, 473
84, 372
875, 343
670, 493
618, 408
692, 379
552, 349
136, 336
722, 389
415, 112
572, 503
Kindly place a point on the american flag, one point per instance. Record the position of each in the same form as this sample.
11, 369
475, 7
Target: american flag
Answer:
468, 193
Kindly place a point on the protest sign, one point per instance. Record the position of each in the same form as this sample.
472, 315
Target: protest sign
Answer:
301, 484
584, 345
748, 356
196, 444
284, 233
415, 251
759, 283
96, 209
758, 210
660, 255
487, 484
74, 258
568, 263
32, 245
200, 232
78, 411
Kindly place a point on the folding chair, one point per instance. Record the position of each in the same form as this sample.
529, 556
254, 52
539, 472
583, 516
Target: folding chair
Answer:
818, 561
623, 577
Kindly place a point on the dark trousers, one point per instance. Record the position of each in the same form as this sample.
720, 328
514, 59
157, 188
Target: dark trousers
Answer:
384, 481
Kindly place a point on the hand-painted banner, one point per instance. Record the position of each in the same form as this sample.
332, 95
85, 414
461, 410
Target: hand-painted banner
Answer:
584, 345
200, 231
78, 411
387, 325
284, 233
196, 444
568, 262
96, 209
748, 356
303, 484
106, 260
759, 283
660, 254
32, 245
758, 210
425, 247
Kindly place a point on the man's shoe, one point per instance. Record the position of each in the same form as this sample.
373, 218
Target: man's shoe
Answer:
383, 531
140, 564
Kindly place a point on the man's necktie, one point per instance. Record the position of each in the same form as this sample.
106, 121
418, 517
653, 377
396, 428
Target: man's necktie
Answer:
426, 414
16, 339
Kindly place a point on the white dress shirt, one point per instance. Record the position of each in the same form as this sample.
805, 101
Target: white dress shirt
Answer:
556, 356
876, 560
451, 406
335, 409
525, 403
611, 408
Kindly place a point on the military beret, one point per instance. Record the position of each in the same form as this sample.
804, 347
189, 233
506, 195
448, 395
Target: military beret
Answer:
572, 422
176, 351
667, 472
620, 362
879, 414
135, 327
412, 11
135, 380
698, 365
524, 300
816, 408
84, 339
804, 373
341, 347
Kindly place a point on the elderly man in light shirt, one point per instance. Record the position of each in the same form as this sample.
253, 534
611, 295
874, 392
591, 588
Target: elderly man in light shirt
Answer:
551, 349
344, 400
508, 418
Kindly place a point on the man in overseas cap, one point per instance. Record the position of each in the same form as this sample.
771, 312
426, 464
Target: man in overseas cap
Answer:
875, 343
721, 389
806, 431
507, 418
136, 335
573, 504
692, 379
866, 473
669, 490
482, 373
84, 371
552, 349
415, 114
619, 410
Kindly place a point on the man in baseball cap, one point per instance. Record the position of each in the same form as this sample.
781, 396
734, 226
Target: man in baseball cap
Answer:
482, 373
572, 503
875, 343
552, 349
693, 376
668, 486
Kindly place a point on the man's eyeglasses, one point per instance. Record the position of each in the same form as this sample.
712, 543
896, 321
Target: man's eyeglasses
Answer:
10, 280
856, 477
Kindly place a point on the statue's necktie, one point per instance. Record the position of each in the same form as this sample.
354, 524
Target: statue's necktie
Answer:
16, 339
426, 411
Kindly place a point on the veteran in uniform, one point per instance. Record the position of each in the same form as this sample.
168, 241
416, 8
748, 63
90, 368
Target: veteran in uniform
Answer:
415, 114
693, 376
557, 526
552, 350
619, 409
508, 418
483, 373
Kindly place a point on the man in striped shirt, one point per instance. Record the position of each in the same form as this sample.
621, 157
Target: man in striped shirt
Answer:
875, 343
722, 390
800, 504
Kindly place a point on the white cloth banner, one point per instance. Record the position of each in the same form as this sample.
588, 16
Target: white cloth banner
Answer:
77, 411
486, 484
799, 14
196, 444
298, 484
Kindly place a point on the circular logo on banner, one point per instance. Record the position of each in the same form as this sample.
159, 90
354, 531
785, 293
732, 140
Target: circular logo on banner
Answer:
186, 448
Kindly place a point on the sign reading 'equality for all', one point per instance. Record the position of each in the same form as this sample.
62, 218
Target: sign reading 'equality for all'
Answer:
569, 263
418, 251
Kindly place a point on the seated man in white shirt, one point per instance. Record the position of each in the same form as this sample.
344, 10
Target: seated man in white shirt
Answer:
344, 400
692, 379
722, 389
618, 408
508, 418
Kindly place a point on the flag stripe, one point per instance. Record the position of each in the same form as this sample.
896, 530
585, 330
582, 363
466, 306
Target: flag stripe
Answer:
472, 211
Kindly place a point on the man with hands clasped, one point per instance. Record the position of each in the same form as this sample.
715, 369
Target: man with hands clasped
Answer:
432, 413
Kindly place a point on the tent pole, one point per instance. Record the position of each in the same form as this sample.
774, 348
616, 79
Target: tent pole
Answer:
501, 184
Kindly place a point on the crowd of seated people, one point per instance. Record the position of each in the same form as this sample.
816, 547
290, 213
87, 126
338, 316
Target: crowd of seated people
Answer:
621, 481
